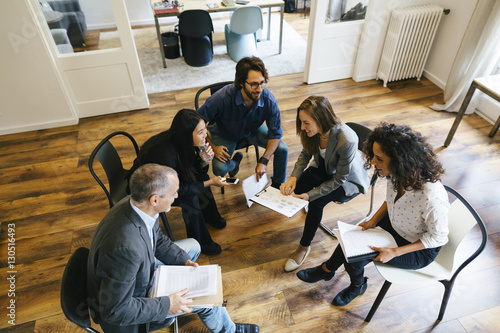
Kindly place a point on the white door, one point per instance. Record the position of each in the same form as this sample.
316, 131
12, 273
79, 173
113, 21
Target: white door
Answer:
103, 81
331, 47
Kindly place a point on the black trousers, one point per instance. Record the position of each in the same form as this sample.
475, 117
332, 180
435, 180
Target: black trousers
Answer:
313, 177
412, 260
197, 210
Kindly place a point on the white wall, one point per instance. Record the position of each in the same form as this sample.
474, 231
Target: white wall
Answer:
443, 51
32, 95
448, 38
99, 15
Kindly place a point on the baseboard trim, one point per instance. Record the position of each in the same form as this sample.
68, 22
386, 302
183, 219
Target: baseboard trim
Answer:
36, 127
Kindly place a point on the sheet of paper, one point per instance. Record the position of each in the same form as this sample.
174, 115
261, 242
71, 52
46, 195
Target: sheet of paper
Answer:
357, 242
284, 204
251, 186
201, 281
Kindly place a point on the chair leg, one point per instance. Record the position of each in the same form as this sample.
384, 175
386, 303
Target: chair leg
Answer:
163, 217
327, 230
448, 286
176, 325
256, 152
378, 300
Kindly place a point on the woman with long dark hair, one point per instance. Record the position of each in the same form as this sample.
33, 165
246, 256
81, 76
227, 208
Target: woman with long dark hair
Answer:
183, 147
335, 174
415, 211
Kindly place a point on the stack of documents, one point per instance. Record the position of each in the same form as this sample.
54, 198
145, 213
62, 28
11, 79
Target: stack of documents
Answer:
270, 197
356, 243
204, 284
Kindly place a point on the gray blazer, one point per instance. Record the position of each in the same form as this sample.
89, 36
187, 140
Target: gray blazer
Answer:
120, 270
342, 160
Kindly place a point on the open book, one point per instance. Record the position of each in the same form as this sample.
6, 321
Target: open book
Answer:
204, 284
272, 198
356, 243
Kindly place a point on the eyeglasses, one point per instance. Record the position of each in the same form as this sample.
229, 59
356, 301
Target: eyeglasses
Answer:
254, 85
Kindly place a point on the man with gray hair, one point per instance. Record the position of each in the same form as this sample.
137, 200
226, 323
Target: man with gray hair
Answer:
127, 247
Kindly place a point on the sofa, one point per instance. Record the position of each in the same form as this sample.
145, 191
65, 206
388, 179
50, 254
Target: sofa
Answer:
73, 20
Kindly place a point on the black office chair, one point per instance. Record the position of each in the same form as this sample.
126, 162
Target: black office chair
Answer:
195, 32
74, 300
117, 176
243, 143
362, 132
74, 290
462, 217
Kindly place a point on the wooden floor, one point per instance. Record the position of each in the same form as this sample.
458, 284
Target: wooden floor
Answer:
48, 195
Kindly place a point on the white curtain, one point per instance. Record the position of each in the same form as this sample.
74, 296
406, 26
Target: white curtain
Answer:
476, 57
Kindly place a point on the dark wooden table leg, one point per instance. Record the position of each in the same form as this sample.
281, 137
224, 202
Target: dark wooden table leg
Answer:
495, 128
460, 113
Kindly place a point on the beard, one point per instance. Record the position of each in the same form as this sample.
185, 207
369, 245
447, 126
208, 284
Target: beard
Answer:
250, 95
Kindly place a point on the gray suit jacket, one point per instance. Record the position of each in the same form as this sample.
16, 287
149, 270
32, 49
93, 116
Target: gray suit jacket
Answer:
342, 160
120, 270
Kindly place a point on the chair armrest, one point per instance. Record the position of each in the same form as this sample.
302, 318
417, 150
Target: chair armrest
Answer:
60, 36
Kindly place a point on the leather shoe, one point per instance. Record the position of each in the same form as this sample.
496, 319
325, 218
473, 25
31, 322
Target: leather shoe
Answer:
221, 224
247, 328
237, 159
315, 274
348, 294
292, 265
211, 250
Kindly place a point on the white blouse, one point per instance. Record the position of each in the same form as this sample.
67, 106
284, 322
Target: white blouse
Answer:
420, 214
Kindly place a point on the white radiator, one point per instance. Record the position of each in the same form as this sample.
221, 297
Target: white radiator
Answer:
408, 42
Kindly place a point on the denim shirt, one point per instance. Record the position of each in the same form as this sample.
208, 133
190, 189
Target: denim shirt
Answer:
234, 121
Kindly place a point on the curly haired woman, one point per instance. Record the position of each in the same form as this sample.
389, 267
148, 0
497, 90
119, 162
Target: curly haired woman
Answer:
415, 211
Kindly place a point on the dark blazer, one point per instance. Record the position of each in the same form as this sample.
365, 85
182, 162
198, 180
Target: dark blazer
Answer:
342, 160
166, 154
120, 270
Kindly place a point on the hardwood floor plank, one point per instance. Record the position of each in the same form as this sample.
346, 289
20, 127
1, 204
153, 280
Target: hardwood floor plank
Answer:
484, 321
47, 191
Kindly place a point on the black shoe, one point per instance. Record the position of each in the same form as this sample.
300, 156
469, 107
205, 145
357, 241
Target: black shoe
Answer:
211, 250
348, 294
314, 274
237, 159
247, 328
221, 224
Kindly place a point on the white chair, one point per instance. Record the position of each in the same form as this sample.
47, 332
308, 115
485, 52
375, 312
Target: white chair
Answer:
241, 32
461, 218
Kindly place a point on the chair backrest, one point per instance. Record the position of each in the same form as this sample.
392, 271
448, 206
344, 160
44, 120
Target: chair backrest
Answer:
361, 131
462, 217
74, 289
246, 20
195, 23
111, 162
213, 88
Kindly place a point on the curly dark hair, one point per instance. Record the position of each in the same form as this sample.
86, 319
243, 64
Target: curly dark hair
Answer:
413, 161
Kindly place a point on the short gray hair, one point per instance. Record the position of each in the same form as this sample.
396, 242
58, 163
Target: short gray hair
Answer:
150, 179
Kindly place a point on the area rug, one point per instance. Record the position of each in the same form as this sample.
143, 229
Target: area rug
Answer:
178, 75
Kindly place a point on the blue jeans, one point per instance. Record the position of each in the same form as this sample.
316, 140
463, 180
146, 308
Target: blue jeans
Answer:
216, 319
259, 138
